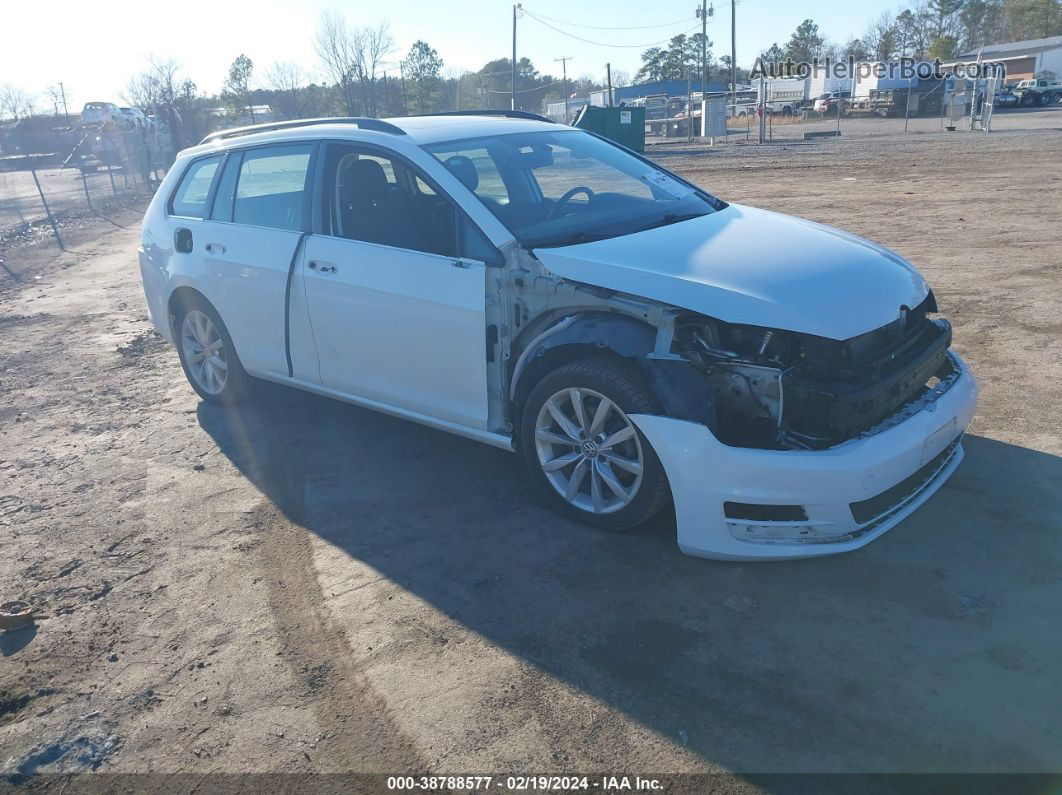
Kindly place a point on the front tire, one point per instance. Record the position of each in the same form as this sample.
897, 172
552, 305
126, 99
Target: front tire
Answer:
585, 455
207, 354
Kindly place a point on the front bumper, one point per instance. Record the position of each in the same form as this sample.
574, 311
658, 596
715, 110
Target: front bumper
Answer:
880, 478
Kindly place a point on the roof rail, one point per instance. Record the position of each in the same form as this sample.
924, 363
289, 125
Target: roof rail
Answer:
511, 114
361, 122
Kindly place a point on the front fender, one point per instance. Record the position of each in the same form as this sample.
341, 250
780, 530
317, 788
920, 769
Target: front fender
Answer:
681, 389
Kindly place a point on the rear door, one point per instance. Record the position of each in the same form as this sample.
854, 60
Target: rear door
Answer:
259, 213
395, 286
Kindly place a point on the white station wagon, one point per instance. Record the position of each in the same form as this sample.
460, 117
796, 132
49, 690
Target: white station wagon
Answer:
538, 288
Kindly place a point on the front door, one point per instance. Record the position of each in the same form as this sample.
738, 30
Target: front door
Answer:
398, 315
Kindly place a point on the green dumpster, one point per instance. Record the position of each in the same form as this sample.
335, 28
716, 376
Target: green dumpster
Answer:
625, 126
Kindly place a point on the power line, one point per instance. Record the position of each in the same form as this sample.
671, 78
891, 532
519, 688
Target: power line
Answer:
602, 43
603, 27
524, 90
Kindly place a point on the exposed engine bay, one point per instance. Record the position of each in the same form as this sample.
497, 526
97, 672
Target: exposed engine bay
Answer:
784, 390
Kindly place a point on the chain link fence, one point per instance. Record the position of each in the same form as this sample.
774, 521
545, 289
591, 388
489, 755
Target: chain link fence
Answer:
932, 107
48, 177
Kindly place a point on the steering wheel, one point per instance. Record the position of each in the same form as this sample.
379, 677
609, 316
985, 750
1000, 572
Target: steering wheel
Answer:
567, 197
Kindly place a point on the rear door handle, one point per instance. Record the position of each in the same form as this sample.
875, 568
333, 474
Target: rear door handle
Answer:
215, 248
321, 266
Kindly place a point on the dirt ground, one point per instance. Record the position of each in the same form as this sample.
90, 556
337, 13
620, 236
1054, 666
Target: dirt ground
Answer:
307, 586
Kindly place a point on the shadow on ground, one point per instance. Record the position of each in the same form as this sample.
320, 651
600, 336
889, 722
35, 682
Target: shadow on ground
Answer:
933, 649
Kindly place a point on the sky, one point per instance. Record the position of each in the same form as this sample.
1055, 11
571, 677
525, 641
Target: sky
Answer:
94, 46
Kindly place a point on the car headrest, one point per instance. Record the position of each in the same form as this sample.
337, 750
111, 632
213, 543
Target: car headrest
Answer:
465, 170
362, 182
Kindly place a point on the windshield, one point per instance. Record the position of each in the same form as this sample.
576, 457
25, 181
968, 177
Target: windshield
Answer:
565, 187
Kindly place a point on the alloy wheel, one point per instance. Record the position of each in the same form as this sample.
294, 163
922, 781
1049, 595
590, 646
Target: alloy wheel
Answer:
204, 352
589, 450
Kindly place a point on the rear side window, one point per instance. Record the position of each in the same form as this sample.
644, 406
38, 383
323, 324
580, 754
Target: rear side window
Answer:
271, 186
190, 198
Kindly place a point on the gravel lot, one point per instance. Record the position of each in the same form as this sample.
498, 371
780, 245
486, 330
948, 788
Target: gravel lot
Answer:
307, 586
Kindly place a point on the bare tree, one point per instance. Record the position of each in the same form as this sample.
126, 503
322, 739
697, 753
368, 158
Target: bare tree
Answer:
157, 85
142, 91
338, 49
376, 44
833, 50
286, 78
15, 103
55, 94
352, 58
882, 40
165, 73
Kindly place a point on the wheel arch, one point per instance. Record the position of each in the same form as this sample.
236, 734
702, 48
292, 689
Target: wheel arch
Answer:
681, 390
181, 297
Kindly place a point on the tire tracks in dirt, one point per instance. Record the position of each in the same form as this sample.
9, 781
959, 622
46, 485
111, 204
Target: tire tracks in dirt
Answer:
358, 733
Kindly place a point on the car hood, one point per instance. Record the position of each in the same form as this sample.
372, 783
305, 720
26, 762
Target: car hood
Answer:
745, 265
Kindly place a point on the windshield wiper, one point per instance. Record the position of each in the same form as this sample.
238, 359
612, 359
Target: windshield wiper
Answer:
571, 240
588, 237
672, 218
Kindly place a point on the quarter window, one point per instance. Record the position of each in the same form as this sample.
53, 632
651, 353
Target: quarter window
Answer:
190, 198
271, 187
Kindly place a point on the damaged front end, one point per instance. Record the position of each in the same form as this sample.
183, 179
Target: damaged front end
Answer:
775, 389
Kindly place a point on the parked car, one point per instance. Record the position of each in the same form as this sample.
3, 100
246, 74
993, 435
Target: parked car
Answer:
833, 101
133, 117
100, 113
536, 287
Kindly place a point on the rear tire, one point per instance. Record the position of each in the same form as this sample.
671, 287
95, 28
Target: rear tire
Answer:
590, 462
208, 357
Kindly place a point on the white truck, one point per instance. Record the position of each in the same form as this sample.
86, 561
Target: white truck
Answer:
784, 95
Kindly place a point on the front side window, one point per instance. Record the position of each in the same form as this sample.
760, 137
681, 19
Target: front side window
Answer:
566, 187
378, 199
271, 186
190, 198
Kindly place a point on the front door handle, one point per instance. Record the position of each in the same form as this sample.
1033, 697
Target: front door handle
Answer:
215, 248
321, 267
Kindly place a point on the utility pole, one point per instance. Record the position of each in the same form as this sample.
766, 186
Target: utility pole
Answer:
608, 73
515, 9
564, 69
63, 92
733, 54
762, 107
703, 12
